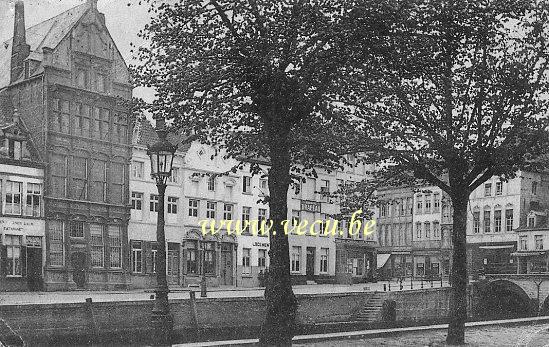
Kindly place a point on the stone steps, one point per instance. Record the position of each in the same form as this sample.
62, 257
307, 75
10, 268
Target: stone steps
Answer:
371, 311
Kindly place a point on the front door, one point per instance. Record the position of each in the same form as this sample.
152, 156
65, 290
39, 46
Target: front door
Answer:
227, 264
173, 263
78, 262
34, 268
310, 270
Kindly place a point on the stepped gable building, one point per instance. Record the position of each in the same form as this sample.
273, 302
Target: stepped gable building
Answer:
71, 87
22, 250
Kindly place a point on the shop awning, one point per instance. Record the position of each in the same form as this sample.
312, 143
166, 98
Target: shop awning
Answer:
382, 259
497, 247
527, 254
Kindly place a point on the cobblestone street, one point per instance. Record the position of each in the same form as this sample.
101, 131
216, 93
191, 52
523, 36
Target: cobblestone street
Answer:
535, 335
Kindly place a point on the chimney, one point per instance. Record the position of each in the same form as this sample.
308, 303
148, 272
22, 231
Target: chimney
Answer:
92, 4
20, 49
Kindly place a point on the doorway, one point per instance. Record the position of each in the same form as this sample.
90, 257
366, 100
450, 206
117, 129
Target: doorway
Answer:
34, 269
78, 263
310, 265
173, 263
226, 264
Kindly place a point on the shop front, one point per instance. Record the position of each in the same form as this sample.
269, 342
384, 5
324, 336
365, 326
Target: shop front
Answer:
22, 254
356, 262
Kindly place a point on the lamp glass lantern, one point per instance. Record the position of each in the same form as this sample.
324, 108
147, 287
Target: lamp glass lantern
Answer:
161, 155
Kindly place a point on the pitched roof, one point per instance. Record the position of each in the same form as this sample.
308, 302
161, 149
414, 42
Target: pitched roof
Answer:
144, 134
48, 33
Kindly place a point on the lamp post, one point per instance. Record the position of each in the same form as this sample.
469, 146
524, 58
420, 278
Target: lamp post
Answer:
161, 155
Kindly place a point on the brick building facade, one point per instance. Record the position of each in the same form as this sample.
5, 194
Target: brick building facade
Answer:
71, 87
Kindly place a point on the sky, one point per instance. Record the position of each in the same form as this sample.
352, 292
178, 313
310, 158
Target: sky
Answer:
123, 22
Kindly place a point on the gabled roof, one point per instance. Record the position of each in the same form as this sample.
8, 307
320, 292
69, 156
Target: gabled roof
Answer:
144, 134
48, 33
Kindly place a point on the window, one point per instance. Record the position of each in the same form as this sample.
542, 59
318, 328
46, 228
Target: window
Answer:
228, 211
427, 230
57, 246
499, 188
295, 259
174, 177
436, 203
324, 189
99, 181
538, 240
324, 260
402, 207
105, 123
358, 265
420, 269
76, 228
531, 221
15, 149
487, 227
153, 205
85, 120
96, 131
211, 207
137, 169
192, 265
211, 183
13, 255
436, 230
410, 205
59, 167
476, 222
137, 201
152, 266
497, 221
488, 189
296, 217
209, 257
427, 203
418, 230
509, 220
81, 78
246, 184
263, 184
384, 208
116, 194
97, 245
246, 212
13, 198
115, 244
172, 204
246, 268
101, 83
523, 240
261, 258
419, 204
77, 120
534, 188
262, 214
79, 178
446, 214
193, 208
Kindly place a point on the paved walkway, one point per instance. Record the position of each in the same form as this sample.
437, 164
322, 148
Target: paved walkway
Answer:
521, 332
15, 298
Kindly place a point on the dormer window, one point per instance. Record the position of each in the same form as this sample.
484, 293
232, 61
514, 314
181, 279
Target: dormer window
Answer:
81, 78
531, 221
15, 149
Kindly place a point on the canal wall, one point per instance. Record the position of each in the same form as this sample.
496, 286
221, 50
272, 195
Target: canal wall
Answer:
209, 318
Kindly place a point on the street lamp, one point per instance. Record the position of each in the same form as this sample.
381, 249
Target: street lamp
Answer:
161, 155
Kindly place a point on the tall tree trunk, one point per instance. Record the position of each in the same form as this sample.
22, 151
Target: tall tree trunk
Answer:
278, 327
458, 302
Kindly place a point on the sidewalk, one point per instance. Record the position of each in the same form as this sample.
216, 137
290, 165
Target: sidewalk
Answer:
19, 298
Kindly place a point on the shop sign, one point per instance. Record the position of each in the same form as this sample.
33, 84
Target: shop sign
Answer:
260, 244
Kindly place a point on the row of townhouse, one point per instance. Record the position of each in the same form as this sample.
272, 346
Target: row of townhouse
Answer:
202, 189
71, 216
413, 234
506, 222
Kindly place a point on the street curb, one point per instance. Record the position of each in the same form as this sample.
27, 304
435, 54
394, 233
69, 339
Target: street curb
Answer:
351, 335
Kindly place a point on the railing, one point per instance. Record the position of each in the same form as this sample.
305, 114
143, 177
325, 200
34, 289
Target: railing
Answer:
498, 268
